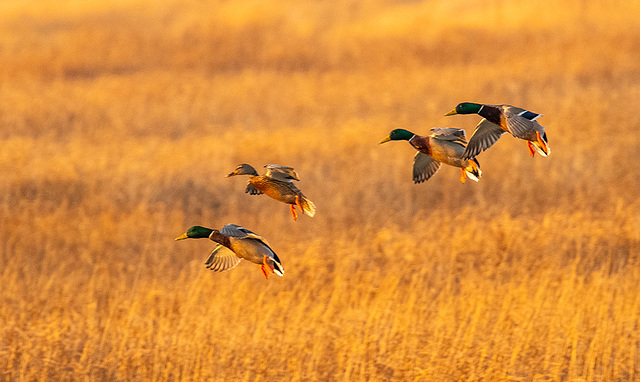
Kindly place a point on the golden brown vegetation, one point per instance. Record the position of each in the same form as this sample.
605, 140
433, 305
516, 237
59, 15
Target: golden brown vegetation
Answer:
119, 119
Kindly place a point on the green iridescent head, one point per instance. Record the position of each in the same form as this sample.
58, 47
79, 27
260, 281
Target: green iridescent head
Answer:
398, 135
466, 108
196, 232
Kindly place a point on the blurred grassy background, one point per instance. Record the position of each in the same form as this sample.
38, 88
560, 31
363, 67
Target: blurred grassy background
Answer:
120, 119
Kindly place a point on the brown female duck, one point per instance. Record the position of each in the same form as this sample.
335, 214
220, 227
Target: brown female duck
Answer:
277, 183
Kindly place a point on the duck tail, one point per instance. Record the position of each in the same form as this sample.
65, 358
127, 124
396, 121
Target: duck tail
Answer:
541, 144
307, 206
274, 262
473, 169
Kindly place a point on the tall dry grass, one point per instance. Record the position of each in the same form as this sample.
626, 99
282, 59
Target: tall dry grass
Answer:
120, 119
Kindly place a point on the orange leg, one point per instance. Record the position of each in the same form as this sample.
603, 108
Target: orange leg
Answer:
298, 204
463, 177
264, 266
532, 149
293, 212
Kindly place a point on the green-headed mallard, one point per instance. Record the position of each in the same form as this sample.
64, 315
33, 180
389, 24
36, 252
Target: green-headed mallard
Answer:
443, 145
234, 244
277, 183
500, 119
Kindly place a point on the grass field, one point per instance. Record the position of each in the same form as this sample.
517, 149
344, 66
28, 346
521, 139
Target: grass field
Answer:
119, 120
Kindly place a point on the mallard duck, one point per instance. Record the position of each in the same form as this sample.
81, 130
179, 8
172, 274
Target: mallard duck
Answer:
234, 244
277, 183
443, 145
500, 119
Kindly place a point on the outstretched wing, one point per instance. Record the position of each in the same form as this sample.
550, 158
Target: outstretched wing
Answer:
279, 172
222, 259
486, 134
424, 167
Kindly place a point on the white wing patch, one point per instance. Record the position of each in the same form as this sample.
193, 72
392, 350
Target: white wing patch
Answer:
531, 116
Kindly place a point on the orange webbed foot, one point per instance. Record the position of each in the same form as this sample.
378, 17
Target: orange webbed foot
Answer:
264, 266
463, 177
293, 212
532, 150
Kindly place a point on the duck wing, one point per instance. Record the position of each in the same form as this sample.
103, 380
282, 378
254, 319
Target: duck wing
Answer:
520, 122
239, 232
485, 135
424, 167
284, 187
449, 134
279, 172
222, 259
251, 190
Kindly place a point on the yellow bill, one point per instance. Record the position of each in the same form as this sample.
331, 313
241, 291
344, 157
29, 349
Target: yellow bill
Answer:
182, 237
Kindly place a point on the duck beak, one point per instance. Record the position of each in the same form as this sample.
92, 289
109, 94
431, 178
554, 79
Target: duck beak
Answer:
387, 139
230, 174
452, 112
182, 237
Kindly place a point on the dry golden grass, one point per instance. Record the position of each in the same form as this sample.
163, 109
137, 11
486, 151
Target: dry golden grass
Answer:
119, 120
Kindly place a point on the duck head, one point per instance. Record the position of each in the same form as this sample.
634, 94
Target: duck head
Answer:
398, 135
466, 108
196, 232
243, 169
